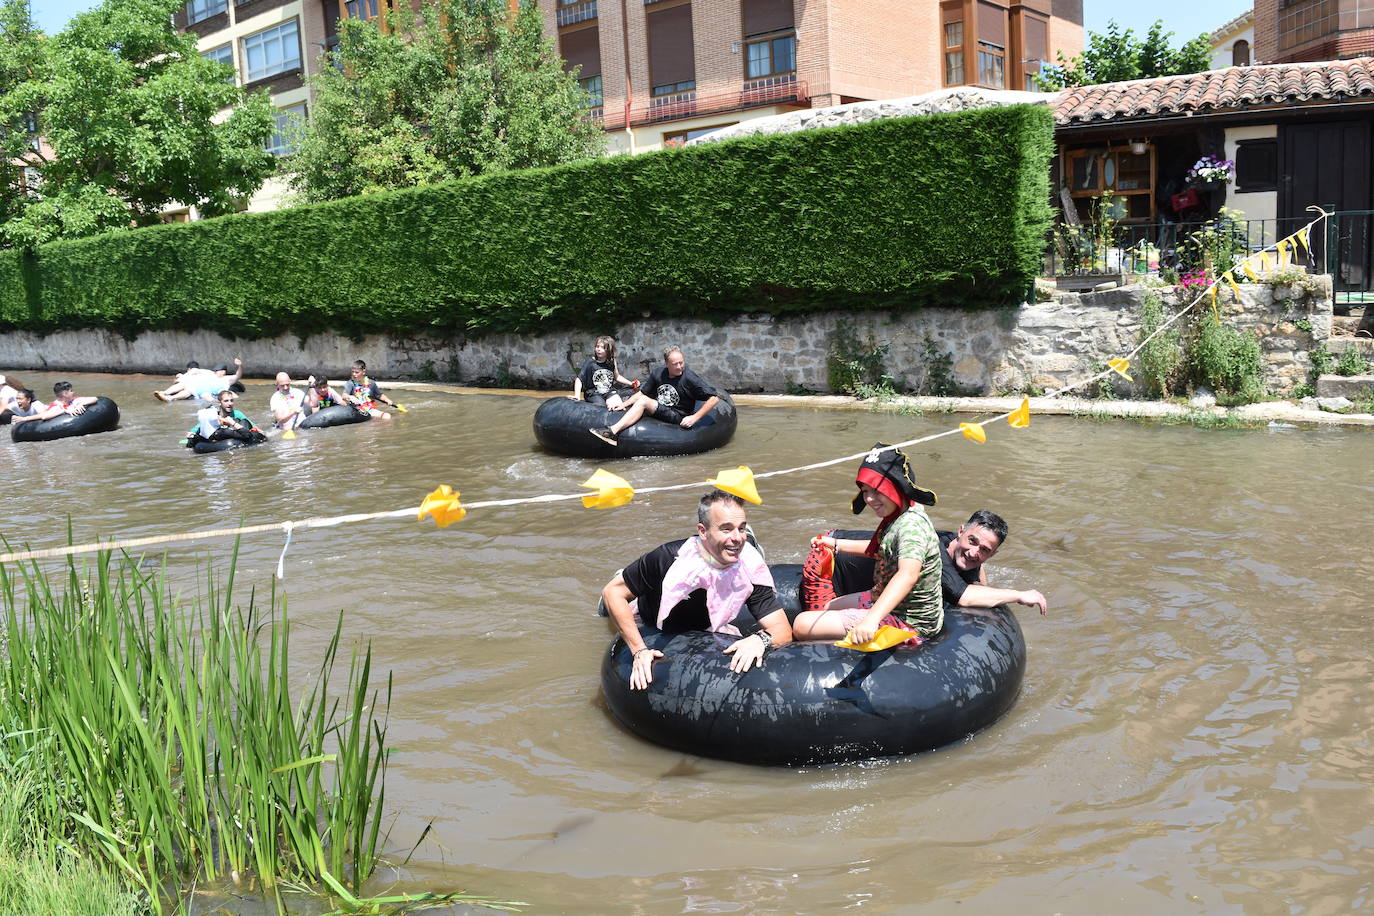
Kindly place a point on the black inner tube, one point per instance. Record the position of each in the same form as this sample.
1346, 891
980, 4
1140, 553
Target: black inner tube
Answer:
100, 417
562, 426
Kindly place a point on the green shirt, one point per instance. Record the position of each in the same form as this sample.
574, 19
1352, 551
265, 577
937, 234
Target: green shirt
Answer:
913, 537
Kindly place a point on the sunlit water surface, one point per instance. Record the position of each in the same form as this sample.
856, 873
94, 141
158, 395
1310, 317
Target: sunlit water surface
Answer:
1193, 735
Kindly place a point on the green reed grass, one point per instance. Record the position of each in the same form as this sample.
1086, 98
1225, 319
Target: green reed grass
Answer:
169, 740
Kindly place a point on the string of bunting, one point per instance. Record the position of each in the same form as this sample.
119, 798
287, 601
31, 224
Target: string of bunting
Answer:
444, 505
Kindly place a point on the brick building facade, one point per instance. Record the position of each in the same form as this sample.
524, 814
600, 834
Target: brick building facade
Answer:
1287, 31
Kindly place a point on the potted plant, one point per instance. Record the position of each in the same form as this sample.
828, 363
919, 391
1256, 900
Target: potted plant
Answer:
1210, 173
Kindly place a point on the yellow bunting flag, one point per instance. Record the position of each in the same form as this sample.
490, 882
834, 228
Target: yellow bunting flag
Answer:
1264, 260
739, 481
1281, 246
1020, 417
1119, 365
611, 490
1212, 291
885, 638
1304, 235
973, 431
1231, 281
1249, 271
442, 505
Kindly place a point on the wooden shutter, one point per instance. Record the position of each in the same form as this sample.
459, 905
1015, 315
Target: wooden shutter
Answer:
670, 46
1035, 38
767, 16
992, 23
582, 48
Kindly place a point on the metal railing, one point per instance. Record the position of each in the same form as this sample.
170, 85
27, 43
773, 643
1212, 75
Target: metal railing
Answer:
1343, 249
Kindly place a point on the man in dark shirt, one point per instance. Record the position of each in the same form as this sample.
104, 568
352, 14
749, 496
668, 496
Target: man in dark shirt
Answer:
962, 555
675, 394
716, 581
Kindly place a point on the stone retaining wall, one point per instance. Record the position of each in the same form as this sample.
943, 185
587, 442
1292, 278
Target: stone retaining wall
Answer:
1039, 345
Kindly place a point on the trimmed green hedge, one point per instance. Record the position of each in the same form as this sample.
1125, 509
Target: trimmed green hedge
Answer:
945, 210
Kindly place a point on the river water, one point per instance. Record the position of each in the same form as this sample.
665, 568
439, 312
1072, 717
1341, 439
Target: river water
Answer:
1193, 734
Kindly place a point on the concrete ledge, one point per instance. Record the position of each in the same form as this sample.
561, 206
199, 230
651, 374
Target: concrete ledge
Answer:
1345, 386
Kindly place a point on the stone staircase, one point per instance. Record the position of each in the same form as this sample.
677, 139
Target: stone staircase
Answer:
1342, 340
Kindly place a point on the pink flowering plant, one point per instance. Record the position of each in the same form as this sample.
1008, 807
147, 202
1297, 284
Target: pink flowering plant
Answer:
1196, 280
1210, 168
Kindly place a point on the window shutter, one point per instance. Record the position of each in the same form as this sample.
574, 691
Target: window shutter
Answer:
992, 23
1036, 38
670, 46
767, 16
582, 48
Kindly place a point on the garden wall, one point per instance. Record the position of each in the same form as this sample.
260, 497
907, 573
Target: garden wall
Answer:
1042, 345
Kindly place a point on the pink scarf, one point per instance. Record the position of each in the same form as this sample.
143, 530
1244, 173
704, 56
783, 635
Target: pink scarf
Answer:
727, 587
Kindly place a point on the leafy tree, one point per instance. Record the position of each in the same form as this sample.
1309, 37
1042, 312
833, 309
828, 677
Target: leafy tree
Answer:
463, 89
1114, 55
127, 110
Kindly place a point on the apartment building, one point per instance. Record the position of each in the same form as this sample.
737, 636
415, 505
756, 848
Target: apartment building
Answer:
664, 71
1287, 31
272, 45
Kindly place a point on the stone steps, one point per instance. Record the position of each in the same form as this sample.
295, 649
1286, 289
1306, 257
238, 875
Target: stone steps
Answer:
1362, 345
1353, 387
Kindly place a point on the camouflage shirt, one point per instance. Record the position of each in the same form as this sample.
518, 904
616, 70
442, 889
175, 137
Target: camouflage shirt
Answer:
913, 537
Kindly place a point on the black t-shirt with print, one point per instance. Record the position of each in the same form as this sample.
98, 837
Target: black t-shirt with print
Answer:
597, 378
644, 578
682, 393
953, 580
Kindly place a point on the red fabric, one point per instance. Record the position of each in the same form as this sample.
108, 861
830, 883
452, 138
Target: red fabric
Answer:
818, 571
1185, 200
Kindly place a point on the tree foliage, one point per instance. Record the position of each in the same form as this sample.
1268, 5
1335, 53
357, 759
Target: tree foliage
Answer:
463, 89
1117, 55
126, 110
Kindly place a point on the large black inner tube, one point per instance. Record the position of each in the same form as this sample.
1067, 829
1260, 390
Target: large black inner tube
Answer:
561, 425
812, 703
100, 417
206, 446
338, 415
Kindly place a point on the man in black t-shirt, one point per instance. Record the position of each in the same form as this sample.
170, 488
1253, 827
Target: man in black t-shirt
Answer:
675, 394
962, 555
716, 581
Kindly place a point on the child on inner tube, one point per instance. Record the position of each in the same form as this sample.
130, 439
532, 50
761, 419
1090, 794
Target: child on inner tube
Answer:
321, 395
906, 579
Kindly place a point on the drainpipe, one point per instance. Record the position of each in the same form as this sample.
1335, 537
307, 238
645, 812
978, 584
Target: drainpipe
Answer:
625, 39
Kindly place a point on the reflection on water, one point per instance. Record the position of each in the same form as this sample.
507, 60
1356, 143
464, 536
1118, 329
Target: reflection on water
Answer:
1193, 734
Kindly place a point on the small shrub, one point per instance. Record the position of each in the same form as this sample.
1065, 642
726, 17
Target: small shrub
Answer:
1160, 362
1227, 360
425, 372
1322, 360
1352, 362
854, 363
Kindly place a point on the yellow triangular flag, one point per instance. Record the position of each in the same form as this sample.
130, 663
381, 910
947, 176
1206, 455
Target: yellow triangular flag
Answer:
1119, 365
611, 490
1020, 417
973, 431
1282, 248
1304, 236
885, 638
442, 505
1212, 291
739, 481
1231, 281
1249, 271
1264, 260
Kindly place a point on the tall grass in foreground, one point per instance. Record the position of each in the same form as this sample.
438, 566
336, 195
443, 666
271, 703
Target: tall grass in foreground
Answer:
167, 741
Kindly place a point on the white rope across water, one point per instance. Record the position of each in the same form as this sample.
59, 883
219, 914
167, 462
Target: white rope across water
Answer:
290, 527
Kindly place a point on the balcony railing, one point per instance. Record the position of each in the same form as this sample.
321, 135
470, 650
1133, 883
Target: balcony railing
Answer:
581, 12
754, 93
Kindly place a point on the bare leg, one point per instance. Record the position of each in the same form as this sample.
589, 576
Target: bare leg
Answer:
633, 412
826, 624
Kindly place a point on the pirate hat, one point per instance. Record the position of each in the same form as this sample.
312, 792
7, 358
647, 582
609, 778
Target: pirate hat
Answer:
888, 471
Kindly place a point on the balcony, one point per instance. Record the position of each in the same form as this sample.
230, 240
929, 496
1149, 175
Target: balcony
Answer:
752, 94
578, 12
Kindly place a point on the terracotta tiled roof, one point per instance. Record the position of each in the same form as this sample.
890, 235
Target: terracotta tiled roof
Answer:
1229, 89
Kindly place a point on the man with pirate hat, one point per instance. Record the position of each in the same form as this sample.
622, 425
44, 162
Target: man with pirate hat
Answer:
907, 572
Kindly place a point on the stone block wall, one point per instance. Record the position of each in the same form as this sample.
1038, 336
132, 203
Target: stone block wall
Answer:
1043, 345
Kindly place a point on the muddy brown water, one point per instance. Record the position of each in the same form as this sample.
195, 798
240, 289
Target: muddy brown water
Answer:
1193, 735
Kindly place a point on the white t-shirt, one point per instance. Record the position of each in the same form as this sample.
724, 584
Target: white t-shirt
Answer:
35, 408
7, 396
291, 400
208, 417
203, 383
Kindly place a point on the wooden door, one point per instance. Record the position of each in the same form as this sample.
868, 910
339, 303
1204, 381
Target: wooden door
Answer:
1328, 164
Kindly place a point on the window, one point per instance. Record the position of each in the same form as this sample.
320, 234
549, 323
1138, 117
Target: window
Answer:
225, 55
672, 88
1240, 54
679, 137
289, 121
1257, 165
954, 68
954, 34
991, 66
1301, 21
360, 9
199, 10
592, 86
771, 57
1129, 175
272, 51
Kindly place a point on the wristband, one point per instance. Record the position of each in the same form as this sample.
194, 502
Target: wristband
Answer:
636, 652
766, 638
